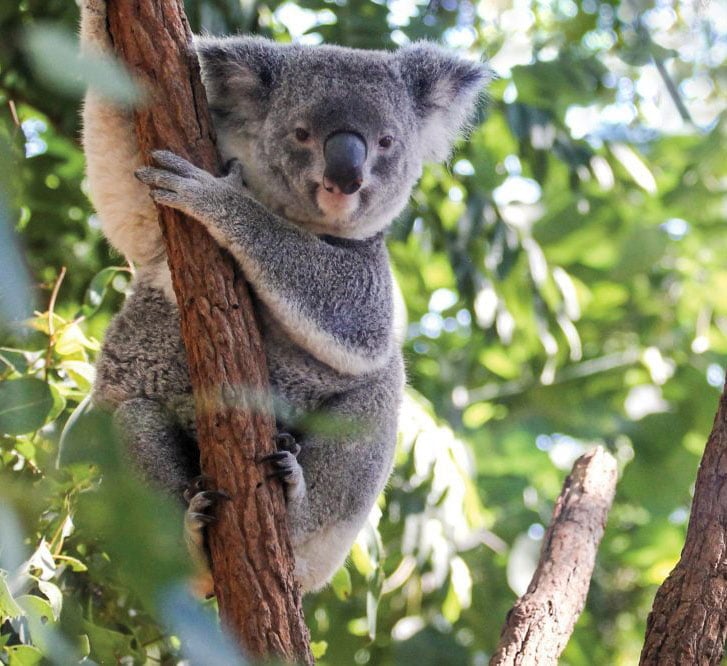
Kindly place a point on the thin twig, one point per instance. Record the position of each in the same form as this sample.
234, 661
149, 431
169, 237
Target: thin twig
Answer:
51, 324
672, 90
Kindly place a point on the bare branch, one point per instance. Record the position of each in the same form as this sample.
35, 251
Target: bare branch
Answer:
542, 620
688, 622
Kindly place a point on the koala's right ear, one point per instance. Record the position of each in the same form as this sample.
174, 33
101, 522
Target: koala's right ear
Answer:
239, 72
444, 89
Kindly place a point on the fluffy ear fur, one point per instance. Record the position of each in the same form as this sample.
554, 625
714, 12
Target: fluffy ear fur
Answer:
445, 90
238, 72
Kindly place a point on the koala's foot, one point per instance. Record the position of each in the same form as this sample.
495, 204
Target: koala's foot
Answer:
201, 502
287, 467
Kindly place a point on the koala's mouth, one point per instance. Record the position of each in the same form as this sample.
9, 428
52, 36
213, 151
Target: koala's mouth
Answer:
337, 208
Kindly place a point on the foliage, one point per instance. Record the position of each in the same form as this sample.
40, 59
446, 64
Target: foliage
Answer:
564, 286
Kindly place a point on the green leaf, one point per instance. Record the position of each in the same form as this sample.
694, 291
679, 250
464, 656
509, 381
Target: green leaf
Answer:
25, 447
59, 403
97, 289
52, 592
23, 655
24, 405
40, 617
362, 560
83, 645
72, 562
8, 606
318, 648
80, 372
108, 646
72, 341
54, 55
451, 608
372, 610
341, 583
15, 359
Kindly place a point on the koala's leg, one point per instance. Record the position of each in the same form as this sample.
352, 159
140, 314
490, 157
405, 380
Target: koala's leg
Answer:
165, 455
343, 474
128, 216
168, 459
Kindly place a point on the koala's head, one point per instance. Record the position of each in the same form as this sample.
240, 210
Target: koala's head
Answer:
332, 138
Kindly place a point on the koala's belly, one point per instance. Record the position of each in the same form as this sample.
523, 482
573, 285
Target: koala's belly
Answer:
296, 377
143, 356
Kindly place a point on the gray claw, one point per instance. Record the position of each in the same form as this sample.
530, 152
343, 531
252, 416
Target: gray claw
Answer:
284, 441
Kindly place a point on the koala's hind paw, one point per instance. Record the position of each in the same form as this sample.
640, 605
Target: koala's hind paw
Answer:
201, 502
286, 466
284, 441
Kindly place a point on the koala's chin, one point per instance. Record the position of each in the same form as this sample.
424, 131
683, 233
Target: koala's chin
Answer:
339, 211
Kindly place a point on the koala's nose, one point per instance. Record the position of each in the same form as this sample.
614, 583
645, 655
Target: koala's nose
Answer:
345, 154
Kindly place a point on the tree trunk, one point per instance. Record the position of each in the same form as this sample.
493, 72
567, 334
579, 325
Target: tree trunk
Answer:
252, 560
539, 625
688, 622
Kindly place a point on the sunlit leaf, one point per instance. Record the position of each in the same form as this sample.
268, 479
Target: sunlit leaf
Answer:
318, 649
24, 655
341, 583
361, 560
8, 606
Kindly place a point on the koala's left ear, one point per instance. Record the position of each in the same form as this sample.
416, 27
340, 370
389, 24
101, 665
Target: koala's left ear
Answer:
444, 89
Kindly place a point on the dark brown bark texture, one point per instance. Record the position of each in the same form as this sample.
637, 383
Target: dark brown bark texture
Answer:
688, 622
541, 621
259, 599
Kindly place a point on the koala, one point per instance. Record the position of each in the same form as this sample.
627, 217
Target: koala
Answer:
325, 145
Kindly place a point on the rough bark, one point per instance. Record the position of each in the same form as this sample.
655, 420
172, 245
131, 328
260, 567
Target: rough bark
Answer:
542, 620
252, 560
688, 622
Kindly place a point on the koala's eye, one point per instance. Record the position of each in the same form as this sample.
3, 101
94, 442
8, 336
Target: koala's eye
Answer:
302, 134
386, 141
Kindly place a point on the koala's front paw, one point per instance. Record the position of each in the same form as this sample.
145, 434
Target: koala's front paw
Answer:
287, 467
181, 185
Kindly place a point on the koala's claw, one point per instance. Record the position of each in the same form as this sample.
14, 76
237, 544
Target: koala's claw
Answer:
179, 184
201, 500
287, 467
284, 441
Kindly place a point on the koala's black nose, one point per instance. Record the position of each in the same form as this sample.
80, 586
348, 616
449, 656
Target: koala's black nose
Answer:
345, 154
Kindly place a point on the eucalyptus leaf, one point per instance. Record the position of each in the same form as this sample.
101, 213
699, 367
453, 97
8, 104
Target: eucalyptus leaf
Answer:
9, 608
24, 655
24, 405
97, 289
56, 59
341, 583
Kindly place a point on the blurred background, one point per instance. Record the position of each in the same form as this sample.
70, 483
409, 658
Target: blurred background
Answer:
566, 286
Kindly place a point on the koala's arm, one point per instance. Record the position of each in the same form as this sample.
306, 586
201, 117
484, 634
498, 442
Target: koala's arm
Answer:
335, 301
128, 216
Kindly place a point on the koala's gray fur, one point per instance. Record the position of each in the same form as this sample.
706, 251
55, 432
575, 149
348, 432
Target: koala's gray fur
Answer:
315, 258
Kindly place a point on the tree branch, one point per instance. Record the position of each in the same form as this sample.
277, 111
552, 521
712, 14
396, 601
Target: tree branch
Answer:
542, 620
688, 622
259, 599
